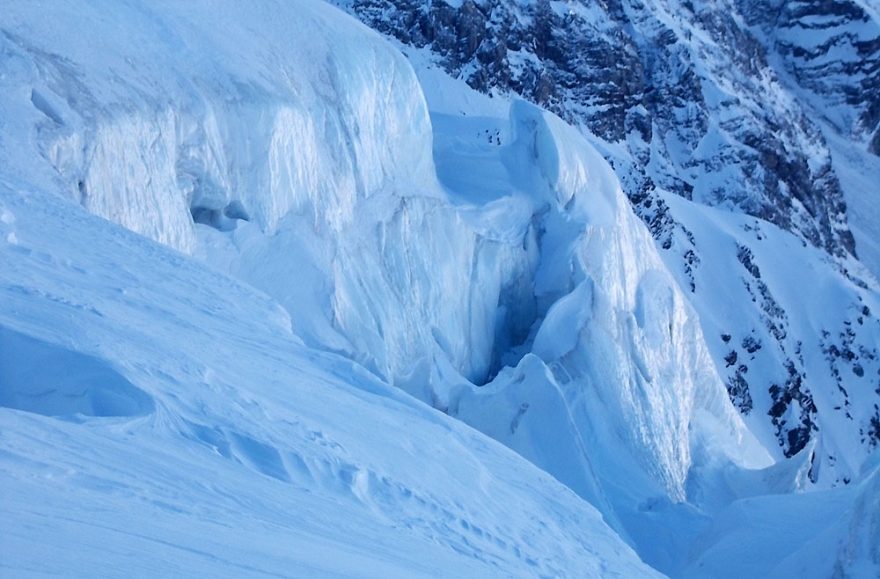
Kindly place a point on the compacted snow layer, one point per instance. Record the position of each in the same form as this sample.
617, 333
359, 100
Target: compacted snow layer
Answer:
43, 378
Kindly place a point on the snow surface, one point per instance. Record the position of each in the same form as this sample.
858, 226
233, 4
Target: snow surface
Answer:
229, 392
821, 306
232, 449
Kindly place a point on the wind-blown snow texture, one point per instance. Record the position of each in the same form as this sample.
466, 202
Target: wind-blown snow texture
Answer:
240, 416
179, 428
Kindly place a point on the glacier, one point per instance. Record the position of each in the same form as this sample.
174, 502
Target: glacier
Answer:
264, 302
758, 109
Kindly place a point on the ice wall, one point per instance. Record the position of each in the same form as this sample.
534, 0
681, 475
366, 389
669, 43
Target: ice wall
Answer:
170, 112
619, 344
308, 145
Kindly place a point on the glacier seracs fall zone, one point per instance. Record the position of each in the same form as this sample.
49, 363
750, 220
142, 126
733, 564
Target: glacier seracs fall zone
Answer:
315, 240
764, 110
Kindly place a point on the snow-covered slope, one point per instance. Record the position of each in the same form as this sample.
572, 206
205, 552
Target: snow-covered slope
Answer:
820, 534
231, 392
160, 419
806, 356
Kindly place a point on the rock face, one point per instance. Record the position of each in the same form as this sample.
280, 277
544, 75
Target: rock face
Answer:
732, 105
831, 49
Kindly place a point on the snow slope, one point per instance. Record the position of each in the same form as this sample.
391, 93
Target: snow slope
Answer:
179, 428
811, 322
820, 534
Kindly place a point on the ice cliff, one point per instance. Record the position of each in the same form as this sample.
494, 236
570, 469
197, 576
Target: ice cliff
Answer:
322, 155
766, 111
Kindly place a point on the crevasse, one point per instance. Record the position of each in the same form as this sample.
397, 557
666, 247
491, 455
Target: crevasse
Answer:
312, 178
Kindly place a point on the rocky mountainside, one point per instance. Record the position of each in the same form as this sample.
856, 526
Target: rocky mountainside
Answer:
727, 105
687, 88
831, 50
